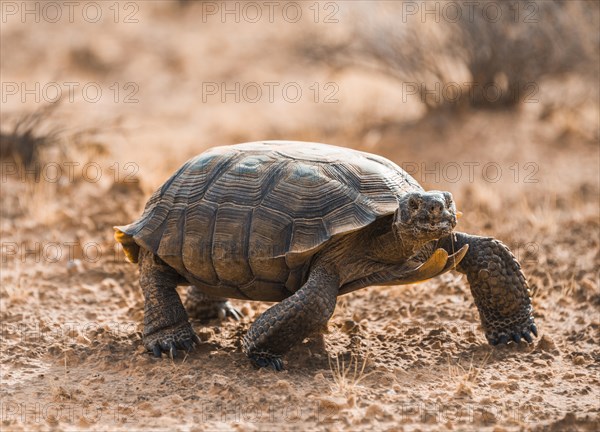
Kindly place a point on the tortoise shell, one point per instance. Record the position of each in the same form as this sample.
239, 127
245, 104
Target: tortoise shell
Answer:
244, 221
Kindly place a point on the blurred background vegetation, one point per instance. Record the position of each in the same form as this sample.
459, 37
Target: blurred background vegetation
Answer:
419, 82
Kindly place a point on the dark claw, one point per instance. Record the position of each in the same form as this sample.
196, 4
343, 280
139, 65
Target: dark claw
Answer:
260, 361
229, 311
169, 341
274, 362
516, 338
196, 339
503, 340
527, 337
236, 315
277, 364
533, 329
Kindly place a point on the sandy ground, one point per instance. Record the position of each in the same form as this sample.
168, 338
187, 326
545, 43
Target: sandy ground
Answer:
403, 358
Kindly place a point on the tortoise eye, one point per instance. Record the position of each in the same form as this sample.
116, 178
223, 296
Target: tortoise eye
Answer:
413, 204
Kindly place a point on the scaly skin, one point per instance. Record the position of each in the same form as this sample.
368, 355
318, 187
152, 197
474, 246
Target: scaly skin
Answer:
166, 324
287, 323
498, 286
203, 306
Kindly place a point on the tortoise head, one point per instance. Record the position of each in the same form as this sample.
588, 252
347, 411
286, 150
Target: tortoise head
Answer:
425, 216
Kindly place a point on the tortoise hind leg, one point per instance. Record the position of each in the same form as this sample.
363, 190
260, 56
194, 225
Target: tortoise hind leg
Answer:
287, 323
203, 306
166, 325
498, 286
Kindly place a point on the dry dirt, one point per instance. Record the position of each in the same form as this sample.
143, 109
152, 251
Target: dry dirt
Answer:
400, 358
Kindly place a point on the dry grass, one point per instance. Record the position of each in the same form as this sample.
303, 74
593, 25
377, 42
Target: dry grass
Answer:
465, 379
29, 137
347, 377
544, 215
457, 372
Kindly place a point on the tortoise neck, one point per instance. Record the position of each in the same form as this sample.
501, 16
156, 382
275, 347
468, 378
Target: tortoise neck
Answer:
391, 246
366, 251
383, 243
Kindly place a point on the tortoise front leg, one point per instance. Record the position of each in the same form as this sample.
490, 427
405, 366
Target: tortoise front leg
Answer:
166, 325
498, 286
203, 306
287, 323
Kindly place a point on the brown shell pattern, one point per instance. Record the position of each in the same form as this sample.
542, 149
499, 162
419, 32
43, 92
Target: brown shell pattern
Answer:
253, 212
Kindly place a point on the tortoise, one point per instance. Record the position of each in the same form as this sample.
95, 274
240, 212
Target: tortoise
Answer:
299, 224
